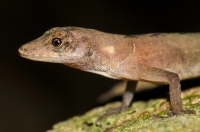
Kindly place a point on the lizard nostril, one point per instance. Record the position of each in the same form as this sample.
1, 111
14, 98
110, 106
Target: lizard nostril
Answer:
22, 49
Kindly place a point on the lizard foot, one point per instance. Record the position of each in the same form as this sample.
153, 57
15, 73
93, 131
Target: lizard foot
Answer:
112, 111
171, 113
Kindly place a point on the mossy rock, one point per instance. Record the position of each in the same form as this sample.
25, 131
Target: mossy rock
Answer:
141, 116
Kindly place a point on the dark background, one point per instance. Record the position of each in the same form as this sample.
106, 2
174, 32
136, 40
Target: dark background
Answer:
36, 95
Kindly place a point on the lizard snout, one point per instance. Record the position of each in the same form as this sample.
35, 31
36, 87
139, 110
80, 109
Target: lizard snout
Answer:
22, 50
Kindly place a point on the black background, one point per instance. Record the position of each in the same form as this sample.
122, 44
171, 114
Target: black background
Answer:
36, 95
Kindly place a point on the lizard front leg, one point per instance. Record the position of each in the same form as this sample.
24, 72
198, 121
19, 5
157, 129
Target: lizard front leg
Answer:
156, 75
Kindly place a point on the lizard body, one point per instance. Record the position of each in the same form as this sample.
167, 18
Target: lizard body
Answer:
157, 58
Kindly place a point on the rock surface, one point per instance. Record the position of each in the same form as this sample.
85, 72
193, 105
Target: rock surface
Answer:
141, 117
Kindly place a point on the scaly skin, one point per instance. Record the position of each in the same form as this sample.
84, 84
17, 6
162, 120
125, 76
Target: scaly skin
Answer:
157, 58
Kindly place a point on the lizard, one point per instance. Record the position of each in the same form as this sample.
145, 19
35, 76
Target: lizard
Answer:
161, 58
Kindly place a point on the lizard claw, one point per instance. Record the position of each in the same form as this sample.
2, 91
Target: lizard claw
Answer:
112, 111
182, 112
170, 113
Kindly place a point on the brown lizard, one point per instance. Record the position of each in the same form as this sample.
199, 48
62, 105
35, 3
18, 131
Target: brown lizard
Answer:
157, 58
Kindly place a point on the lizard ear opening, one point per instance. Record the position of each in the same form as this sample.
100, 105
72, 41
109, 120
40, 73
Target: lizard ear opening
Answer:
90, 52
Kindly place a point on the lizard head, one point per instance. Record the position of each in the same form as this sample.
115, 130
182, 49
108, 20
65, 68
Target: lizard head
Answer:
67, 45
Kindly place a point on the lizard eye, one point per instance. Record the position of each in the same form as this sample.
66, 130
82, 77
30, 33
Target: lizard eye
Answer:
56, 42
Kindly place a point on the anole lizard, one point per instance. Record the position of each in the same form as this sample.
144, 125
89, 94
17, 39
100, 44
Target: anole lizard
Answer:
157, 58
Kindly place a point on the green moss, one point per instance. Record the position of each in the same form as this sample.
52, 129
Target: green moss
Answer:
162, 113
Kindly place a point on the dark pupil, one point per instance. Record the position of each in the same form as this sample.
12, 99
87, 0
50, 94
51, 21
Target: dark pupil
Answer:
56, 42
